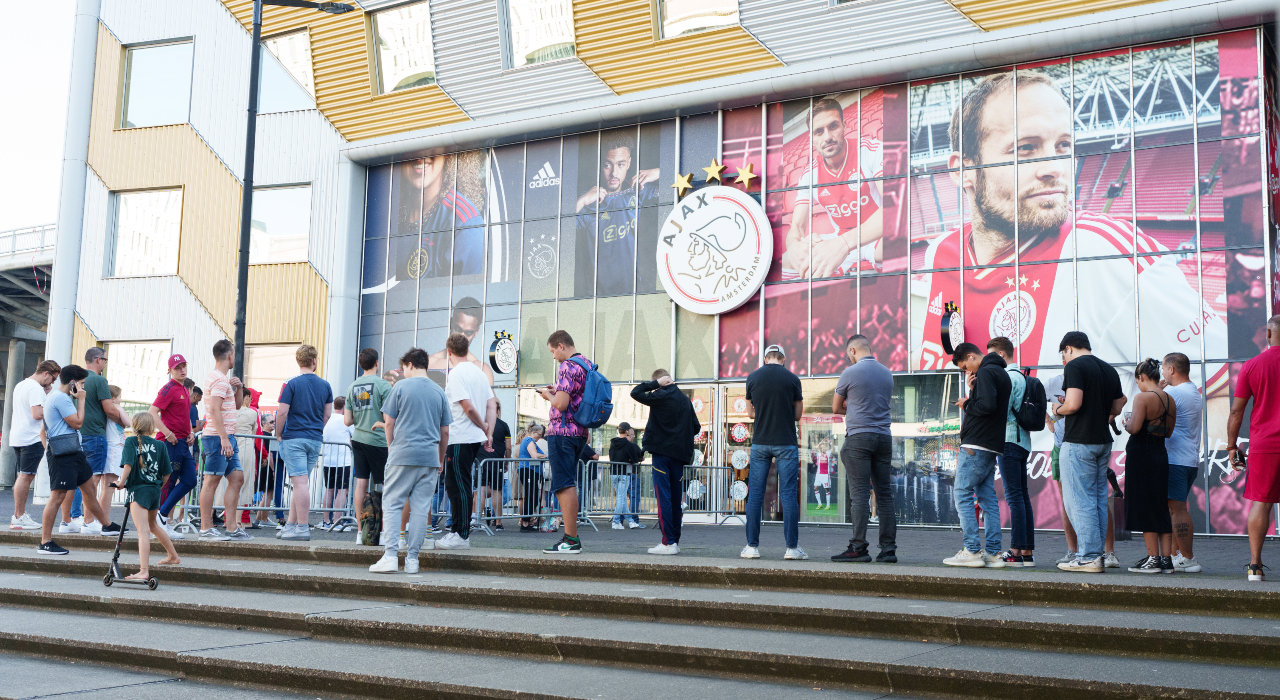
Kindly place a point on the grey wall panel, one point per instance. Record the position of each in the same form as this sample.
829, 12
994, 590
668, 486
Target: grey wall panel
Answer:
805, 30
468, 47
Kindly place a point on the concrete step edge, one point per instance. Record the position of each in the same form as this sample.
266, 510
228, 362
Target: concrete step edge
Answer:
1208, 647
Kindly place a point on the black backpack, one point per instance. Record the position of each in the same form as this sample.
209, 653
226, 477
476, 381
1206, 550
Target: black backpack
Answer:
1031, 413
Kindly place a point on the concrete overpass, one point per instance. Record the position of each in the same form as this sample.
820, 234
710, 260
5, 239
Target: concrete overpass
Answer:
26, 266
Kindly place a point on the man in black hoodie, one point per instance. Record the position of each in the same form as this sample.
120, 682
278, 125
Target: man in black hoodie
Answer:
668, 436
981, 440
625, 455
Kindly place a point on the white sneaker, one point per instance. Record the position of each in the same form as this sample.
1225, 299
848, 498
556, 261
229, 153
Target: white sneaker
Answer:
68, 528
94, 528
1092, 566
429, 542
78, 522
23, 523
386, 565
616, 526
635, 525
359, 540
795, 553
992, 562
452, 541
410, 565
173, 533
665, 549
1110, 561
212, 535
1183, 564
965, 558
301, 532
749, 552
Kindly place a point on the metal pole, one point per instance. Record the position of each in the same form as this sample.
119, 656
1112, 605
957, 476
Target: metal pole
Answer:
246, 198
13, 375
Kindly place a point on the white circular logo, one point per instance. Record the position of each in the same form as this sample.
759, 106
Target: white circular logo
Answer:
502, 355
740, 459
697, 405
738, 491
738, 432
714, 250
541, 261
1012, 322
739, 405
956, 328
696, 489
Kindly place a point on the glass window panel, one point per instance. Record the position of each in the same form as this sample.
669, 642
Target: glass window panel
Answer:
741, 144
1043, 311
468, 263
433, 330
882, 305
505, 179
578, 317
1228, 509
1242, 277
541, 258
1171, 318
281, 225
504, 318
398, 336
137, 368
406, 262
821, 434
695, 346
658, 152
468, 195
157, 88
653, 334
147, 232
680, 17
616, 257
788, 153
1107, 310
293, 50
577, 259
786, 323
503, 263
542, 179
992, 140
1165, 194
1163, 94
926, 441
791, 241
537, 323
1207, 78
740, 348
407, 182
883, 233
1230, 188
371, 337
835, 317
581, 161
883, 129
1101, 92
649, 227
373, 297
930, 292
699, 143
1044, 209
937, 208
433, 259
615, 317
377, 209
278, 90
1104, 190
1237, 88
268, 367
467, 317
405, 55
539, 31
933, 103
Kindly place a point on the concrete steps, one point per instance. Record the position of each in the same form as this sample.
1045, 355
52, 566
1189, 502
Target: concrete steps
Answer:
356, 633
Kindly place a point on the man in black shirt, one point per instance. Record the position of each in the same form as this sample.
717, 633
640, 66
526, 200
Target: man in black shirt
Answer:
775, 402
1092, 400
492, 474
626, 456
669, 437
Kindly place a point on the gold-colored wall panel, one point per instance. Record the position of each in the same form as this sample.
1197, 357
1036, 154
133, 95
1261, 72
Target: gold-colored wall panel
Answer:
81, 340
340, 57
999, 14
615, 39
287, 303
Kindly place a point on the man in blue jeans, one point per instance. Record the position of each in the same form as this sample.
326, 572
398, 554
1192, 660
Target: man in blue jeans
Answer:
1092, 399
626, 456
98, 409
1013, 464
668, 436
306, 403
981, 440
863, 396
171, 411
775, 401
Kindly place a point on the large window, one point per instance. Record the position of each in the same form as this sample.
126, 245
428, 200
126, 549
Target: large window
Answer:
139, 369
286, 82
157, 85
281, 225
538, 31
404, 50
267, 368
293, 50
680, 17
147, 228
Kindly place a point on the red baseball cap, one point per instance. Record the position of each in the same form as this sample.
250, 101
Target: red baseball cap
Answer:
175, 360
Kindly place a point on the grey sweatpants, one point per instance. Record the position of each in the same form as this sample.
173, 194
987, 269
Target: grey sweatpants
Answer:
415, 485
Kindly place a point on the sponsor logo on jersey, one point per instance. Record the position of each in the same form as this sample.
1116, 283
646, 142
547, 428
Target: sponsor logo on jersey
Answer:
545, 177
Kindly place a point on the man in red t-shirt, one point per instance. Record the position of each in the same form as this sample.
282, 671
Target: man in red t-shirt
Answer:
171, 412
1259, 381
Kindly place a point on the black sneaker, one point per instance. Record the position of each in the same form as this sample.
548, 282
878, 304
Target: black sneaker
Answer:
1256, 573
1146, 565
1166, 565
565, 546
852, 554
51, 547
111, 530
887, 556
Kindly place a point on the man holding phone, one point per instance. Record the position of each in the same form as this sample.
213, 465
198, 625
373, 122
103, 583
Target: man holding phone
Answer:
1259, 381
64, 412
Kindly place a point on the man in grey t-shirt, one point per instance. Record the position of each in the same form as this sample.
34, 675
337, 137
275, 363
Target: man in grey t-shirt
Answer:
417, 416
1183, 446
862, 396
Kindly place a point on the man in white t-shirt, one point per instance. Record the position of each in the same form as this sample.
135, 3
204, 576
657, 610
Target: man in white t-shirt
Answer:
475, 412
27, 439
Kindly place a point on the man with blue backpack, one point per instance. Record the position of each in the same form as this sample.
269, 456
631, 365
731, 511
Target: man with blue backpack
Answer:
581, 399
1027, 406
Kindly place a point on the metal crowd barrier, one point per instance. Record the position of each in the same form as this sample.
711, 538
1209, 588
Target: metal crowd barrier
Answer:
281, 489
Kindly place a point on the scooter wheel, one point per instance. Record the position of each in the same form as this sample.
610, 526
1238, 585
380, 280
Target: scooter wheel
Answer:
107, 580
152, 582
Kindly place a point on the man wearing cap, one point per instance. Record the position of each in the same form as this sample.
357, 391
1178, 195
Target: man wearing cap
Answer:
775, 402
668, 436
171, 412
98, 409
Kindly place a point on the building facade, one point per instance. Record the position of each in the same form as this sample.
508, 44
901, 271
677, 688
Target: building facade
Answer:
508, 167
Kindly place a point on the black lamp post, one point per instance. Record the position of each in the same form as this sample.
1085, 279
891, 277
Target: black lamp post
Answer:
250, 139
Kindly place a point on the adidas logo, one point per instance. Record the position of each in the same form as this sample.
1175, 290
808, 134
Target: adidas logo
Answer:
545, 177
935, 306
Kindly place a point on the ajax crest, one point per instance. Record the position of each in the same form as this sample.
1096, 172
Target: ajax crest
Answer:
714, 250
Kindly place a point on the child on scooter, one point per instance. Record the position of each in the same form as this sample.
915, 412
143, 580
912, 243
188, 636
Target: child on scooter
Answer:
145, 466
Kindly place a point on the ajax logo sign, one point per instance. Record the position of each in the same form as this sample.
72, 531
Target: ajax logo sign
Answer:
714, 250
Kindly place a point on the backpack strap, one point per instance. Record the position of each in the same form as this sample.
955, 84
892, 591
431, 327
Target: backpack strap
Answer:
582, 362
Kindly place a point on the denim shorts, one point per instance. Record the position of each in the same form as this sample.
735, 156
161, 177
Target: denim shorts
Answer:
300, 455
215, 464
94, 448
562, 453
1181, 479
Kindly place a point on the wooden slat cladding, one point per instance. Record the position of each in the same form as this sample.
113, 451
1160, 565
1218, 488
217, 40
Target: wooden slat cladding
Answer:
340, 57
1000, 14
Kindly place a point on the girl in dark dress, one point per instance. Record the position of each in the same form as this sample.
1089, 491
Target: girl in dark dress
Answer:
1146, 471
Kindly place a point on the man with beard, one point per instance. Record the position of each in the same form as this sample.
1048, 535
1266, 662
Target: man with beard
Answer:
840, 247
467, 317
607, 219
1035, 305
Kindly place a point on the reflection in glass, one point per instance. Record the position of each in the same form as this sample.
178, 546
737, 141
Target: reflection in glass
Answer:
658, 152
157, 87
1231, 211
293, 50
373, 296
1242, 277
790, 247
577, 261
268, 367
399, 335
433, 330
280, 90
680, 17
542, 179
281, 225
504, 262
148, 226
539, 31
883, 117
648, 227
405, 55
135, 367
